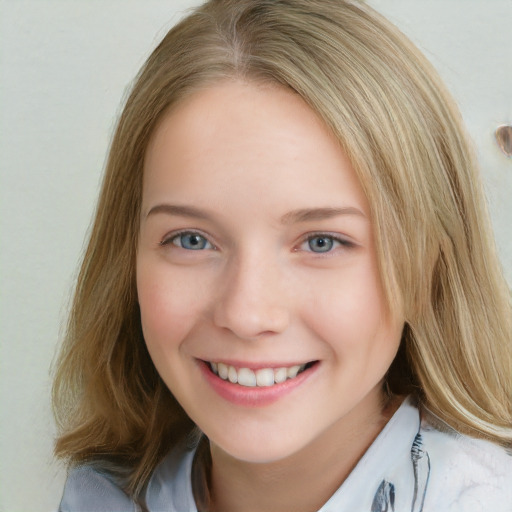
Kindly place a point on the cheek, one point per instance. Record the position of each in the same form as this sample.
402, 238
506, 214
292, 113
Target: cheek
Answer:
169, 306
350, 315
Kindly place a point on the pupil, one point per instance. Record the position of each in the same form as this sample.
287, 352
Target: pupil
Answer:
321, 244
192, 241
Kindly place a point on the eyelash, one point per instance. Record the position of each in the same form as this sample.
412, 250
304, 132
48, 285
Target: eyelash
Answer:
169, 240
346, 244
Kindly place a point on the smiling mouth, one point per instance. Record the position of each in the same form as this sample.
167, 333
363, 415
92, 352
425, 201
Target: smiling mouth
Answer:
263, 377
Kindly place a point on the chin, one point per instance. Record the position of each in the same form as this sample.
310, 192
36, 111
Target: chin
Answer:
263, 450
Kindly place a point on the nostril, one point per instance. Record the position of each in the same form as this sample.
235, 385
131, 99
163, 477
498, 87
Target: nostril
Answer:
250, 319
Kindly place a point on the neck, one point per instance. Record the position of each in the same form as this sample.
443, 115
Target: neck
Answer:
293, 483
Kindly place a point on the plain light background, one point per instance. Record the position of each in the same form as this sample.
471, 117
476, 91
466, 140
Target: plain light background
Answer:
65, 66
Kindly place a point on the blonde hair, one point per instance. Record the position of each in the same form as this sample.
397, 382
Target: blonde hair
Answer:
404, 136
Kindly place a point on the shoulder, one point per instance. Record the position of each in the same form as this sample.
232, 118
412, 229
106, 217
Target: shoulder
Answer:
170, 486
88, 489
466, 474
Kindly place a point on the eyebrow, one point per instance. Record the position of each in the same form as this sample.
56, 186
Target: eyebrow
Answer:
312, 214
293, 217
179, 210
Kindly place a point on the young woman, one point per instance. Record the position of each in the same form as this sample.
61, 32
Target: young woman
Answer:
290, 299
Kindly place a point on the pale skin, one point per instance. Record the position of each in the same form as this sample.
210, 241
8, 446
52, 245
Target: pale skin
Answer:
256, 249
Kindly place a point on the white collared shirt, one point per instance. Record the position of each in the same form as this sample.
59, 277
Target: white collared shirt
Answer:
411, 466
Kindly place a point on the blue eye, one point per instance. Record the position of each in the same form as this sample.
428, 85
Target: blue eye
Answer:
324, 243
321, 243
191, 241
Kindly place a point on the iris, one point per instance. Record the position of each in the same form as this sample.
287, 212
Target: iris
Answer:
191, 241
321, 243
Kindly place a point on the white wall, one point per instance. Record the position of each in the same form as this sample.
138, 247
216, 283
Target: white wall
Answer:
64, 66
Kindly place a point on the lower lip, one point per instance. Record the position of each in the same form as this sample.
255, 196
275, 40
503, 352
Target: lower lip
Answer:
254, 396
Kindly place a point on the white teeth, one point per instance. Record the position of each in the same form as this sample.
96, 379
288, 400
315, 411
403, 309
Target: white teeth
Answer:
232, 375
263, 377
246, 377
292, 371
223, 370
280, 375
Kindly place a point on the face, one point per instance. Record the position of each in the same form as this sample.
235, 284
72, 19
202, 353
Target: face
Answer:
257, 277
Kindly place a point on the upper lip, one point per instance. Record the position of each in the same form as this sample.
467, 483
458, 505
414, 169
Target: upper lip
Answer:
253, 365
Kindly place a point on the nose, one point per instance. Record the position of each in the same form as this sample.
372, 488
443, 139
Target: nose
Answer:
253, 301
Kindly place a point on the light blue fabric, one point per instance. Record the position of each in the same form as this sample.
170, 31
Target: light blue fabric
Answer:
412, 466
88, 490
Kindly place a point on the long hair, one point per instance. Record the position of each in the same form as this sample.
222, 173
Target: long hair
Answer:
403, 134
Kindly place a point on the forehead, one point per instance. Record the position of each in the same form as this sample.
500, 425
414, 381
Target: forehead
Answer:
248, 137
